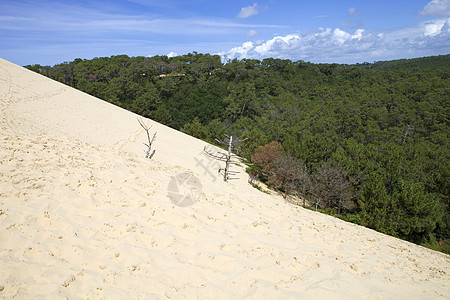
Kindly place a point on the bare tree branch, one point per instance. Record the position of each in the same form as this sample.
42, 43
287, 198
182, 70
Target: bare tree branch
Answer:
149, 154
228, 158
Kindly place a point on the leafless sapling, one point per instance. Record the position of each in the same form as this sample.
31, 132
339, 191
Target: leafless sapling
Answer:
228, 158
148, 153
331, 187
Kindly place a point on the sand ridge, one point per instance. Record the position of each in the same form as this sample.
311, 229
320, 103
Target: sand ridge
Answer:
84, 215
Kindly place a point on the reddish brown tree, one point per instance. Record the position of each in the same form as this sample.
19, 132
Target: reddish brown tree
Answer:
265, 156
281, 170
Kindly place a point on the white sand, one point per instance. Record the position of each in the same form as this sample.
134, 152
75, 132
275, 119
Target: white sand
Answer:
84, 215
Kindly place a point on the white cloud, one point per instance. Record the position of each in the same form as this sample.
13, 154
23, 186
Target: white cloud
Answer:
123, 24
279, 43
436, 27
172, 54
237, 52
341, 36
252, 32
58, 27
351, 11
248, 11
436, 8
339, 46
75, 20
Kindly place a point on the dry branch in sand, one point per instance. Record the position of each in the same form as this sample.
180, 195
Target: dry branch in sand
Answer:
149, 153
228, 158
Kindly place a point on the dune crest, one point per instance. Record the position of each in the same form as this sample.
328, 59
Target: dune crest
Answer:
84, 215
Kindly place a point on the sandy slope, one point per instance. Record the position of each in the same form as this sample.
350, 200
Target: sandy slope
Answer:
84, 215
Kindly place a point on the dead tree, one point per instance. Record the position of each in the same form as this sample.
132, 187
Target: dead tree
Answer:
148, 153
331, 187
228, 158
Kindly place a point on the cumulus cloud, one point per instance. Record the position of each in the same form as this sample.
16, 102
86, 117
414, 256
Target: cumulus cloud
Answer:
340, 46
172, 54
436, 8
238, 52
295, 45
248, 11
341, 36
436, 27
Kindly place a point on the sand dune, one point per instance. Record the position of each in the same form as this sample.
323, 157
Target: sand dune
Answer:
84, 215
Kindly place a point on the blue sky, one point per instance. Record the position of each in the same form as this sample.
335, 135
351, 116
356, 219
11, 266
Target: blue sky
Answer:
319, 31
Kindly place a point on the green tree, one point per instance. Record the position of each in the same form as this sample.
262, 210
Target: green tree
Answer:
146, 103
196, 129
420, 212
378, 210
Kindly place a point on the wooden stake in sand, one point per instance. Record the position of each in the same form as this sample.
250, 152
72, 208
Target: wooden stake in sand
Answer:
150, 140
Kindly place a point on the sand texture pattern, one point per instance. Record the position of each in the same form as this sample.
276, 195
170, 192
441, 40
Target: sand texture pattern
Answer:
83, 215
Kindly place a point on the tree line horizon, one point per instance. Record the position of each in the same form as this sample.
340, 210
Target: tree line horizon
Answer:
367, 142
